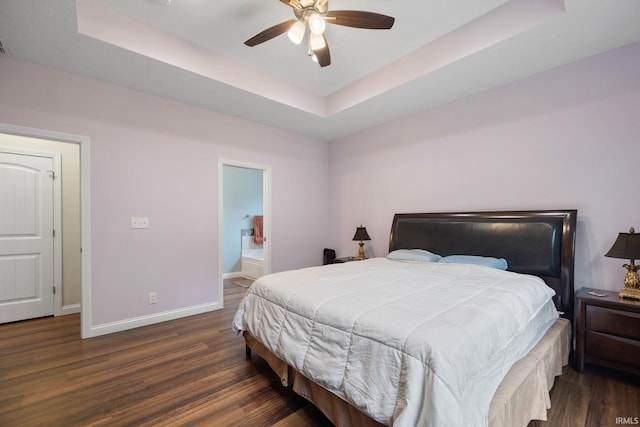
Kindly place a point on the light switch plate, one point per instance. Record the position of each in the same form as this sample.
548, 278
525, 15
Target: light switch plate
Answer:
139, 222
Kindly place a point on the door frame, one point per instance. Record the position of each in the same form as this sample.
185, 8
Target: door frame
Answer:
85, 211
57, 218
266, 206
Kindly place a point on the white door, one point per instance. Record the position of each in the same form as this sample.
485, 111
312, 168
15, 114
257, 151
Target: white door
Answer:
26, 237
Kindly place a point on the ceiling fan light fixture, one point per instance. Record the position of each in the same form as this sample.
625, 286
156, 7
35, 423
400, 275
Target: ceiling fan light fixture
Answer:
316, 42
315, 14
296, 32
317, 24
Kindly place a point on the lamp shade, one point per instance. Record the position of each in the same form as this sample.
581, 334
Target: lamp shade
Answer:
296, 32
316, 42
361, 234
626, 246
316, 23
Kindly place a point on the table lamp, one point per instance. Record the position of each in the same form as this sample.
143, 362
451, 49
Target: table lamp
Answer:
627, 246
361, 234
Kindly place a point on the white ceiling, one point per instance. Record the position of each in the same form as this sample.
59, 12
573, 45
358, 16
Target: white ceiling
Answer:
193, 51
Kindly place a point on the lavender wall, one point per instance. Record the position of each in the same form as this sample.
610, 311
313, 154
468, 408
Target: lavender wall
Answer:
158, 158
568, 138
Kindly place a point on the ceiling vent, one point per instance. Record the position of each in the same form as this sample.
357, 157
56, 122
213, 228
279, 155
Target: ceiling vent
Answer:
4, 50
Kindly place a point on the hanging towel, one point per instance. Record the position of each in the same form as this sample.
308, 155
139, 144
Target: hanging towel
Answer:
258, 232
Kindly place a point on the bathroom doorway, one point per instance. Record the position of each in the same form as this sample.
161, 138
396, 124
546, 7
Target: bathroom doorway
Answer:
244, 220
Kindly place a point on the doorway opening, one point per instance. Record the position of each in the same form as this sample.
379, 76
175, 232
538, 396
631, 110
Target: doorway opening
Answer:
244, 221
75, 247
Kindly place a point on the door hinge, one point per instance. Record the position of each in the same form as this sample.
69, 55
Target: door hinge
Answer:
54, 233
54, 290
52, 174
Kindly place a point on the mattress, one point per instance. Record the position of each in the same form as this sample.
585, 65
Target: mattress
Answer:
409, 344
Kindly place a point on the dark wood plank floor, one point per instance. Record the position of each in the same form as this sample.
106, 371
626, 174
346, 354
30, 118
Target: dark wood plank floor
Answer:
193, 371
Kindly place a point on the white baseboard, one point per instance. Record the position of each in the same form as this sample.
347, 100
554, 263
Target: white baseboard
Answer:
70, 309
136, 322
232, 275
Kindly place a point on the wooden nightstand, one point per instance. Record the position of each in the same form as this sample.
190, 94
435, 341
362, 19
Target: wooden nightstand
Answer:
607, 331
345, 259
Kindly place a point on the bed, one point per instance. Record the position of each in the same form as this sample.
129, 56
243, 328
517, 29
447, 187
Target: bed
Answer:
375, 343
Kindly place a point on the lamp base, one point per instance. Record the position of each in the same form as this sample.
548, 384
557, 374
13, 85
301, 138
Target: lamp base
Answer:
361, 256
631, 282
632, 293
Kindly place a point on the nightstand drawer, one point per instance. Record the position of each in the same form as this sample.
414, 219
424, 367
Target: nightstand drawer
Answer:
615, 322
612, 348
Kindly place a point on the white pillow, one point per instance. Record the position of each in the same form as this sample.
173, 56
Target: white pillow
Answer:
415, 255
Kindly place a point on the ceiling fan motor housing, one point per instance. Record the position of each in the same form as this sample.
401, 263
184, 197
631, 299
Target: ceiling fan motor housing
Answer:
304, 13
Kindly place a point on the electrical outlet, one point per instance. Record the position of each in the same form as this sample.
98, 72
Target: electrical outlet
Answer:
139, 222
153, 297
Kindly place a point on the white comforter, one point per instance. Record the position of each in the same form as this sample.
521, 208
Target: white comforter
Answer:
410, 344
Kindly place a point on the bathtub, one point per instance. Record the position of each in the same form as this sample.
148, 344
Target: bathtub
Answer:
252, 263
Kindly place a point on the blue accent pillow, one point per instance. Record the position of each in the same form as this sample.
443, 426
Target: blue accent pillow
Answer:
416, 255
499, 263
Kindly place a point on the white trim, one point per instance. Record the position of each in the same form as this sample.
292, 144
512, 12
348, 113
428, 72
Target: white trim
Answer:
136, 322
57, 241
266, 206
85, 209
70, 309
233, 275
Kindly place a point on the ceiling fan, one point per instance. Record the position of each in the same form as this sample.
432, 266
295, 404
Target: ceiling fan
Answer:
314, 14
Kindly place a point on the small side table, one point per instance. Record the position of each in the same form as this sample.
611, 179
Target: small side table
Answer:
345, 259
607, 331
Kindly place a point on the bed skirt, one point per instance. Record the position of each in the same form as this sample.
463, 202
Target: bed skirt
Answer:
522, 396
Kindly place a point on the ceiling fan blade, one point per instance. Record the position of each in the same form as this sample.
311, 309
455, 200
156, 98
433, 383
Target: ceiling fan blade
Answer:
360, 19
270, 33
323, 55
